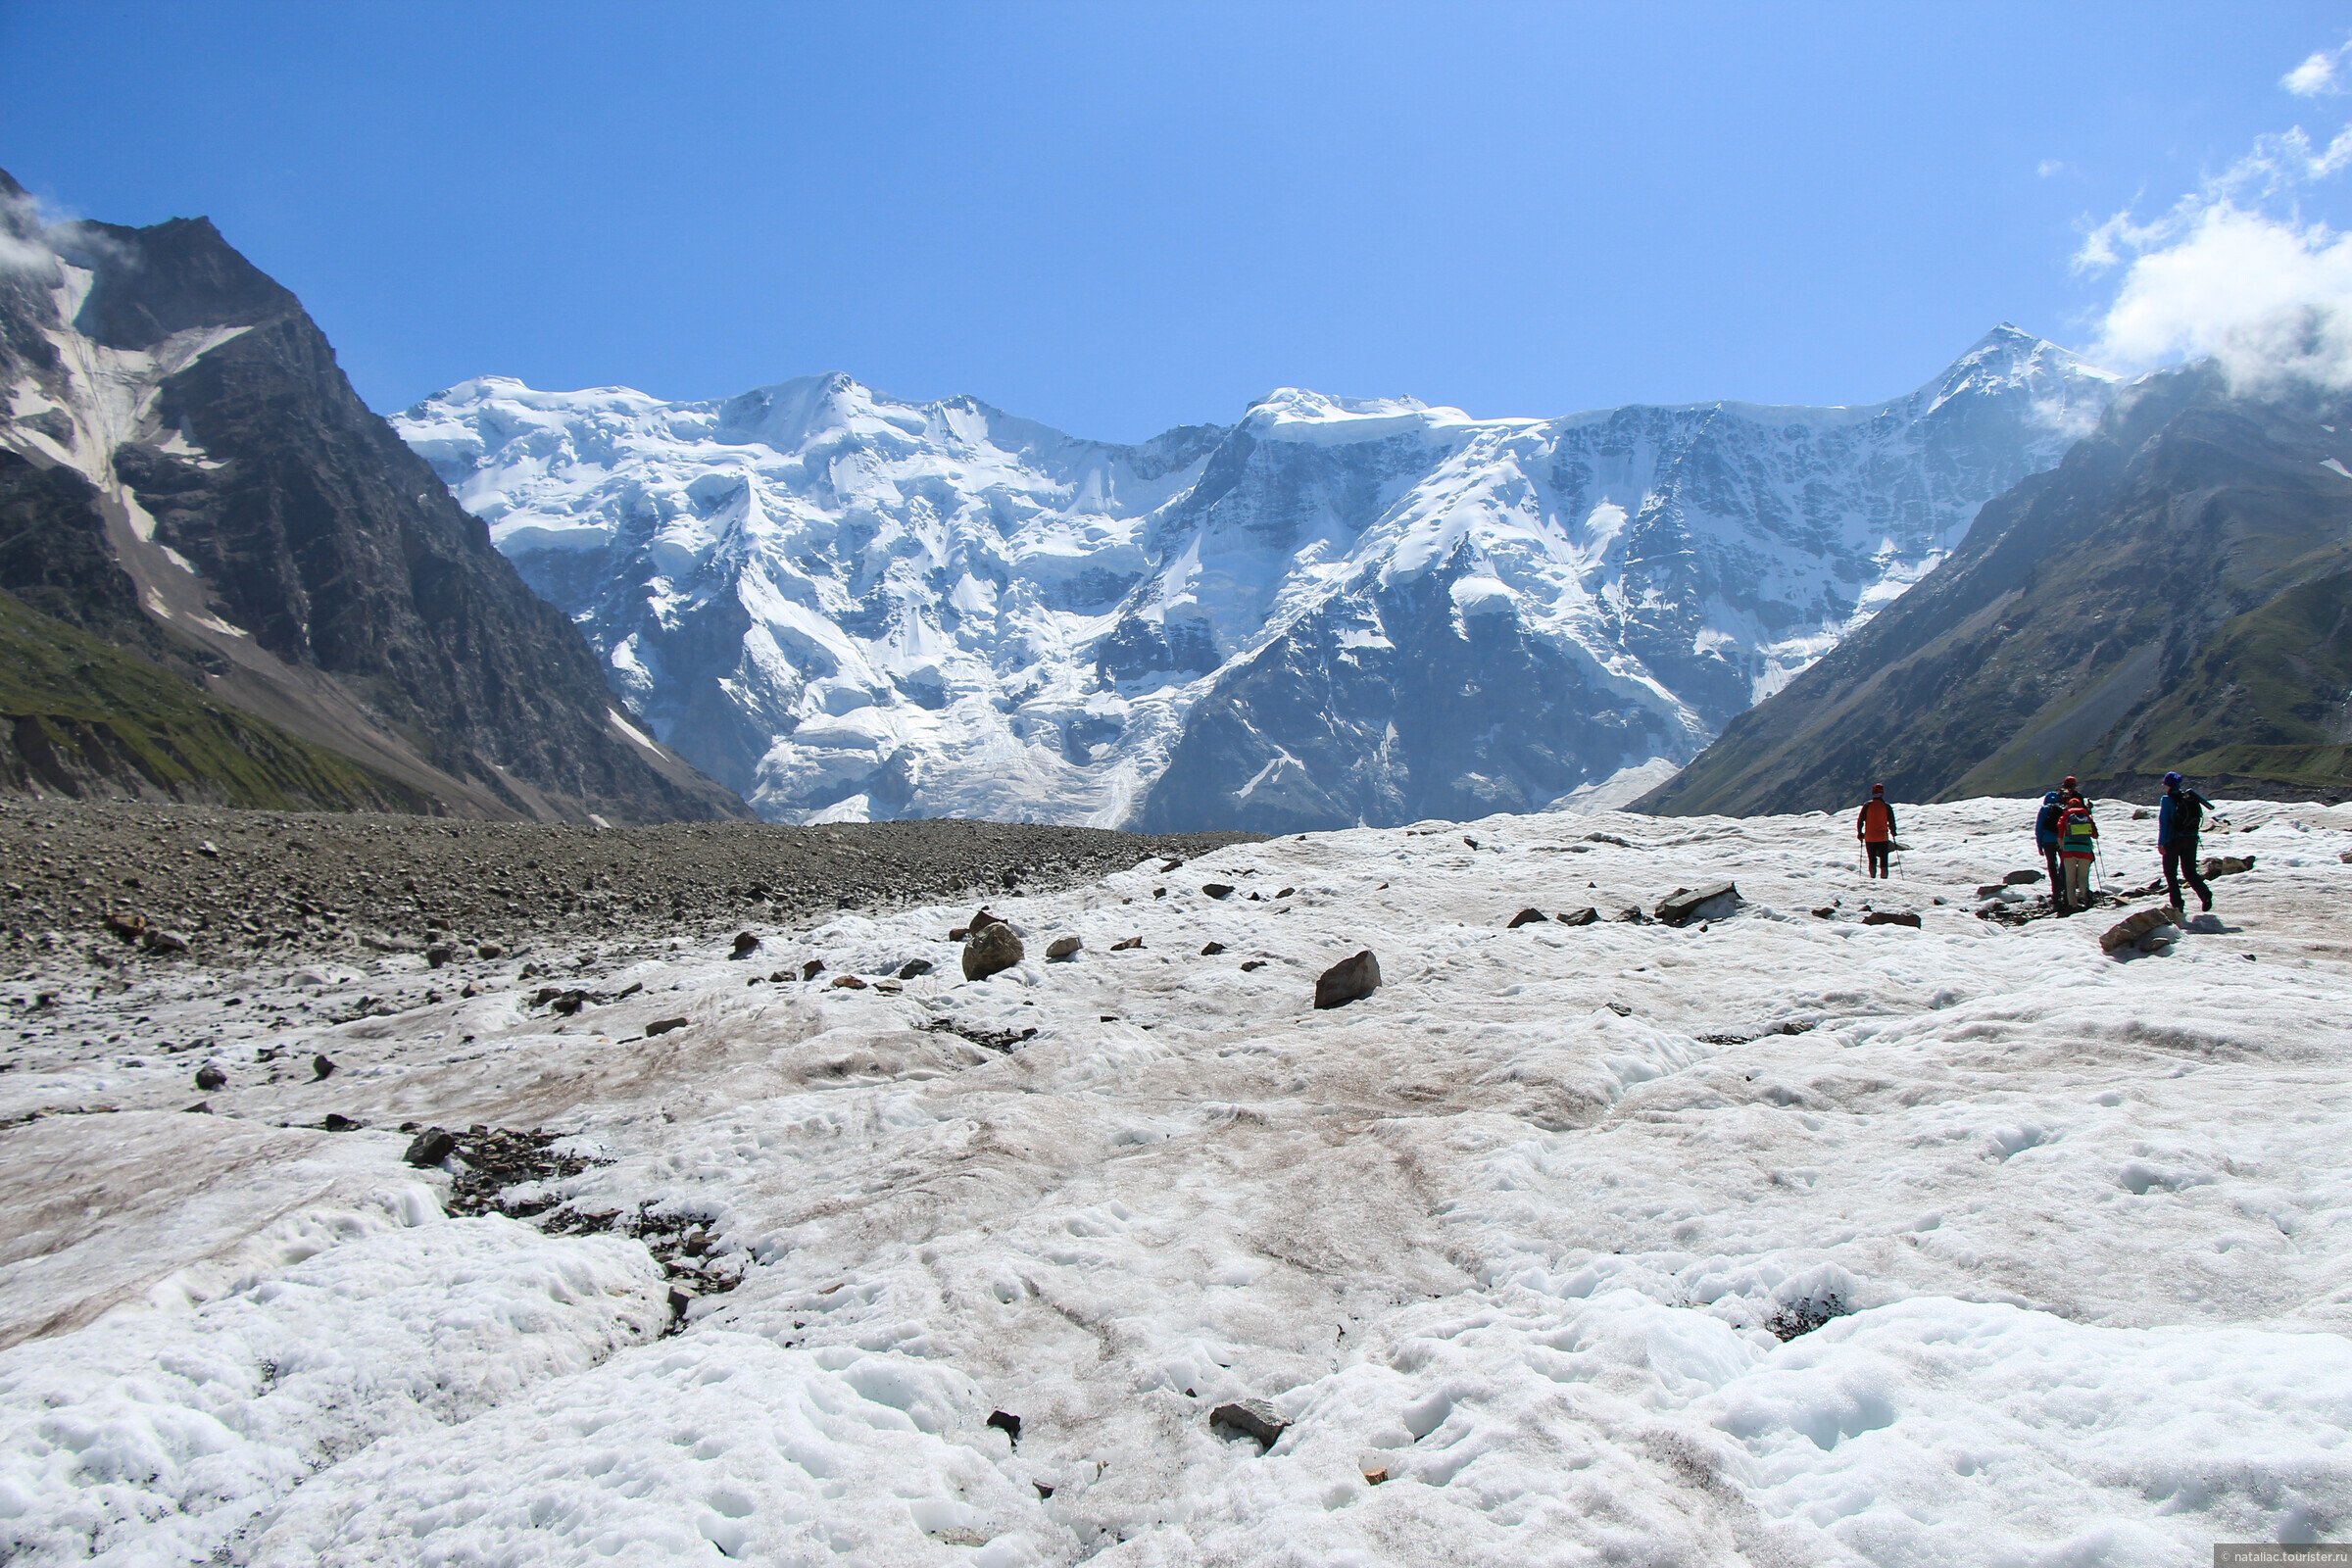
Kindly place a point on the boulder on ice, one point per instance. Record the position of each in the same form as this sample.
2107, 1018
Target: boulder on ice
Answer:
1712, 901
2133, 928
990, 949
1348, 980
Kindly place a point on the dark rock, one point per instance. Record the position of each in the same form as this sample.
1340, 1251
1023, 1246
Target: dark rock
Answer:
490, 950
1825, 912
1531, 915
981, 922
813, 968
209, 1077
202, 1107
1254, 1419
746, 944
1061, 948
430, 1148
1125, 944
2018, 879
437, 956
990, 950
2129, 931
914, 968
1248, 964
322, 1066
1348, 980
1209, 950
662, 1026
957, 933
680, 1302
2214, 865
1909, 917
167, 941
1631, 914
1710, 901
1583, 917
1007, 1422
1217, 890
847, 982
337, 1122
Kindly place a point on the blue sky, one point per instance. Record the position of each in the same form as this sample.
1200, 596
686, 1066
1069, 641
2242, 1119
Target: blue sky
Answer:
1123, 217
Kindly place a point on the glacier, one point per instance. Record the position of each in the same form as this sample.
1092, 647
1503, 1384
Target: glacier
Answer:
1334, 611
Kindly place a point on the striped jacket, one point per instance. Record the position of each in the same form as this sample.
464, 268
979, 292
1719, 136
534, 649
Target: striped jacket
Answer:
2077, 834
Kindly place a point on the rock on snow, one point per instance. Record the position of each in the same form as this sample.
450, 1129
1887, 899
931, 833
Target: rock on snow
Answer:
1777, 1240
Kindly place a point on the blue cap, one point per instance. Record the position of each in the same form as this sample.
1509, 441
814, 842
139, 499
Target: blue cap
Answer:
2170, 779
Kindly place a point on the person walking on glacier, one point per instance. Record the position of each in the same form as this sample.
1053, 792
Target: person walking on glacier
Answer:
2077, 849
1875, 827
2178, 817
2045, 839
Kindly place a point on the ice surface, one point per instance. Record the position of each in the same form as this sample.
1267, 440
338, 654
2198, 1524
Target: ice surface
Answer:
2061, 1245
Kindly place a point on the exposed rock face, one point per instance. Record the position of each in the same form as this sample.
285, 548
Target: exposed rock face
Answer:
1335, 611
209, 490
2177, 594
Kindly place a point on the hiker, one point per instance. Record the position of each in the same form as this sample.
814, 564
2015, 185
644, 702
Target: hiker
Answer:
2078, 848
1875, 827
2178, 817
2045, 838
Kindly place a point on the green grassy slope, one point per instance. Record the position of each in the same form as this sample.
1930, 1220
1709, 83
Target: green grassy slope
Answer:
81, 718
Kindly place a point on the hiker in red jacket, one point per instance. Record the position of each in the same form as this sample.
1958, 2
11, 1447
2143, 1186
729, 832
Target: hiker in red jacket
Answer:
1875, 827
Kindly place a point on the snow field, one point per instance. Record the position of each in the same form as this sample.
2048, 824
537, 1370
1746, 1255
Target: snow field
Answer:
2065, 1236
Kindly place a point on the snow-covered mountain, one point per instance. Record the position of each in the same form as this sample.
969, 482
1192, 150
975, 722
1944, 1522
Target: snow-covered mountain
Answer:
1334, 611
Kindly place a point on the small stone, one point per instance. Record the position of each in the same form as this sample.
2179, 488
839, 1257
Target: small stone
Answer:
2214, 866
209, 1077
155, 941
957, 933
1254, 1419
1907, 917
337, 1122
2129, 931
1531, 915
2021, 879
1712, 901
1284, 892
322, 1066
1063, 949
991, 950
813, 968
1990, 890
1248, 964
437, 956
662, 1026
847, 982
1583, 917
208, 850
1217, 890
1348, 980
1007, 1422
746, 944
1126, 942
430, 1148
914, 966
490, 950
1375, 1475
680, 1302
1209, 950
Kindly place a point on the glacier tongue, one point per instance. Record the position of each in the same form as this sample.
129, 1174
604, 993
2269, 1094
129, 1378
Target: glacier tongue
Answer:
1335, 611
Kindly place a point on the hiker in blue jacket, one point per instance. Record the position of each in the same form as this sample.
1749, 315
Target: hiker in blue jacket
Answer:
2178, 817
2045, 838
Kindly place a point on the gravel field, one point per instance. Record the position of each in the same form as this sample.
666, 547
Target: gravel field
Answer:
186, 883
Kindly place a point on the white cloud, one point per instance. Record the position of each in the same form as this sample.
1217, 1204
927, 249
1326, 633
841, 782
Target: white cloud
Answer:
2316, 74
22, 247
2050, 167
2270, 300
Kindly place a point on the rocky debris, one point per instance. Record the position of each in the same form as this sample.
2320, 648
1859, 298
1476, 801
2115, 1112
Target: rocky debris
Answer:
1712, 901
999, 1040
1909, 917
914, 968
337, 1122
1063, 949
2136, 928
1126, 943
490, 951
1583, 917
1007, 1422
1348, 980
1791, 1319
746, 944
323, 1066
991, 950
2018, 879
1209, 950
1248, 964
430, 1148
1531, 915
2214, 865
847, 982
813, 968
1217, 890
295, 885
662, 1026
1631, 914
1254, 1419
209, 1077
155, 939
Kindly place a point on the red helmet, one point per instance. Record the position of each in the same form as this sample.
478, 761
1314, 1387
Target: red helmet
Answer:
2070, 781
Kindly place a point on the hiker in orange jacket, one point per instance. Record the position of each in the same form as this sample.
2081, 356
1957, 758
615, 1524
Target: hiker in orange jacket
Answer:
1875, 827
